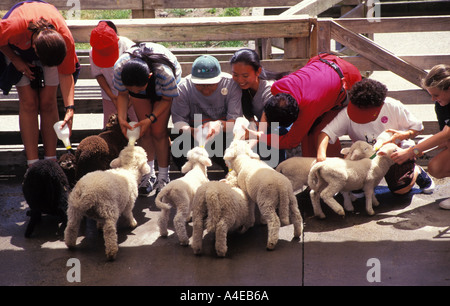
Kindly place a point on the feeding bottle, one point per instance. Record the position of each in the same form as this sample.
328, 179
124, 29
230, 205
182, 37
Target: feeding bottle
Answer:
133, 135
63, 134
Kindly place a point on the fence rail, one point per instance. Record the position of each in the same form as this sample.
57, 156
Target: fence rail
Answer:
302, 36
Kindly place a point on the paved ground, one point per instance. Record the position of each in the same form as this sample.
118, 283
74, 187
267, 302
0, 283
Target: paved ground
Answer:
407, 242
409, 239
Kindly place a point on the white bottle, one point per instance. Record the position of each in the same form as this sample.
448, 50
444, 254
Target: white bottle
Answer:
133, 135
240, 125
201, 134
63, 134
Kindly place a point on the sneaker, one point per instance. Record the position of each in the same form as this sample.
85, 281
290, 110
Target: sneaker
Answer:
425, 182
358, 194
445, 204
160, 184
146, 185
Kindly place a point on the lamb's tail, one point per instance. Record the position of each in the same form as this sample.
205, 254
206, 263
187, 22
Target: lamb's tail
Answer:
313, 177
161, 197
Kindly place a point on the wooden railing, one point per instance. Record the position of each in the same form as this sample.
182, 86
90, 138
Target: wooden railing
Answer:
301, 35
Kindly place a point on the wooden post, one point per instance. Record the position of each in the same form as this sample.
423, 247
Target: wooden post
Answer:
377, 54
143, 14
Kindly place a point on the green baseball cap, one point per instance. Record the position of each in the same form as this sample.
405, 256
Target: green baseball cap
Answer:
206, 70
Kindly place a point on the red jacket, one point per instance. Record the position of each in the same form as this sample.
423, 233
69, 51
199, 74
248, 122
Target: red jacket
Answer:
316, 88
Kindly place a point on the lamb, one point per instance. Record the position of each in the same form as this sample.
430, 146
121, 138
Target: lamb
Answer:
97, 151
270, 190
105, 195
225, 207
46, 186
336, 174
179, 193
297, 168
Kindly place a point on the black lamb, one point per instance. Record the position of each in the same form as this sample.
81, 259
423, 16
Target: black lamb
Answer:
46, 188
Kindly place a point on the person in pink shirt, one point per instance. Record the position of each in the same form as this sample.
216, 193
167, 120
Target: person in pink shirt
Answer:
306, 100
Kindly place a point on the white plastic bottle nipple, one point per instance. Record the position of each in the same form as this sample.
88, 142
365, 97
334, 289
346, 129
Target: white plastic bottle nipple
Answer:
133, 135
201, 134
63, 134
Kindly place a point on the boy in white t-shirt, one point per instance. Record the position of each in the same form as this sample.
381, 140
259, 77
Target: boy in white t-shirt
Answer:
107, 46
368, 114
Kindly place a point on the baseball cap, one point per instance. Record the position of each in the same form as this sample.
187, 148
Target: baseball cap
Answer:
363, 115
206, 70
105, 45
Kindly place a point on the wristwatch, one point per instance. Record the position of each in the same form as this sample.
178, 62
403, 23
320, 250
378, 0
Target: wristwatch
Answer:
416, 152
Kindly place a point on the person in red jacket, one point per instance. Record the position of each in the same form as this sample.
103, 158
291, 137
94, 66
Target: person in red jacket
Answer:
306, 100
38, 48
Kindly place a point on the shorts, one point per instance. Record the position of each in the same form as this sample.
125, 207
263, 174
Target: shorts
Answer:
400, 176
51, 76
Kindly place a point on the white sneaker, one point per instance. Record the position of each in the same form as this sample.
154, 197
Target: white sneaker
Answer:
445, 204
160, 184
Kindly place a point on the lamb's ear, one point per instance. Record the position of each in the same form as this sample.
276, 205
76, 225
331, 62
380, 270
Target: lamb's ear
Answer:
205, 161
115, 163
254, 155
186, 167
345, 151
229, 154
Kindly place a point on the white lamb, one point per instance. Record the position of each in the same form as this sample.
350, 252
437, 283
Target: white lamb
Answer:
180, 192
225, 207
336, 174
105, 195
297, 168
270, 190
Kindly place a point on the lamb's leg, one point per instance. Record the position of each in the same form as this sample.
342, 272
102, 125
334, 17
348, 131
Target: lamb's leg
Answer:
163, 221
35, 217
370, 194
110, 237
128, 215
327, 195
295, 217
315, 201
221, 238
347, 201
273, 229
74, 218
197, 234
179, 222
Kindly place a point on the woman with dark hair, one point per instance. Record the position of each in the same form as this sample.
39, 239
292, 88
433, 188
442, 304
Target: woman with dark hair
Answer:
254, 80
147, 76
38, 53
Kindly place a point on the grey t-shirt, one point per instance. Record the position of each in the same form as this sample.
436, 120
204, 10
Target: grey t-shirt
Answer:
223, 104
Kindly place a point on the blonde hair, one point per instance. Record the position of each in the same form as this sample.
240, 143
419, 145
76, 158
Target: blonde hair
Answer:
438, 77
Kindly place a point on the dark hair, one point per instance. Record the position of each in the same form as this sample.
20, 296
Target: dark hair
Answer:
142, 61
50, 45
135, 72
282, 108
367, 93
250, 57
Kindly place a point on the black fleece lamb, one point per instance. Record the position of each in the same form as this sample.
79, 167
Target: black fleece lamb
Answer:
46, 188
